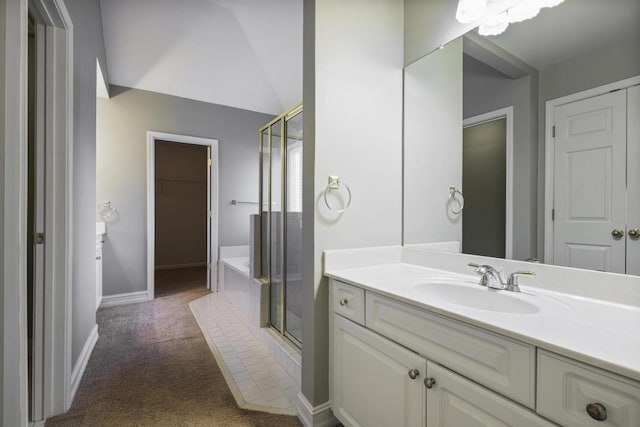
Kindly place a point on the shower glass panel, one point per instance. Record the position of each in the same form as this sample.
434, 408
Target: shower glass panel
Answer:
281, 220
276, 246
293, 227
264, 204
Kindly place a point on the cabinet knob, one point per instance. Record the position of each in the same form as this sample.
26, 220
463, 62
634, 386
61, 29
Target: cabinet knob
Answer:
344, 301
413, 373
634, 233
429, 382
98, 258
597, 411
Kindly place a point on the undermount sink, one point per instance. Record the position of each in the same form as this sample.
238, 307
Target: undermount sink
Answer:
480, 298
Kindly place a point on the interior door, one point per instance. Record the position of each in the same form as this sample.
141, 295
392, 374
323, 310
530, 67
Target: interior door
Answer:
590, 181
210, 261
36, 216
633, 180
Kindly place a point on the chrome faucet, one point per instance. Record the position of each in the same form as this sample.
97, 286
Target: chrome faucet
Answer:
491, 278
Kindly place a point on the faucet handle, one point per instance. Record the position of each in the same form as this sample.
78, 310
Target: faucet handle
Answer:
481, 270
512, 282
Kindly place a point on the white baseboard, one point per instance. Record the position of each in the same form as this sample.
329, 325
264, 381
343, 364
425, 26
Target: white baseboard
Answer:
177, 266
122, 299
315, 416
81, 364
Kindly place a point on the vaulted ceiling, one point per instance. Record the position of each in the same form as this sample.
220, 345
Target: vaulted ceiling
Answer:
240, 53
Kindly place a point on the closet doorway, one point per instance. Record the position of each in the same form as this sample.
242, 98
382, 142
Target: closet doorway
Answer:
593, 179
182, 208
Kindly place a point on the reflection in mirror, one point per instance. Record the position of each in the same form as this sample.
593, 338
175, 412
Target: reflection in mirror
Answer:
539, 128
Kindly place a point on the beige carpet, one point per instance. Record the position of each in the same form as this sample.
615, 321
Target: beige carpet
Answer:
152, 367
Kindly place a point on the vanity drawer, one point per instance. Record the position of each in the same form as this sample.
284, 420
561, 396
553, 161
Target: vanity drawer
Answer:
348, 301
567, 387
498, 363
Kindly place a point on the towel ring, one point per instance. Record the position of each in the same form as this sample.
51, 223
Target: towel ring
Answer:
335, 184
106, 211
455, 196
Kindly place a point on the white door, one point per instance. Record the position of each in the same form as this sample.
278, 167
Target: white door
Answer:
633, 180
590, 181
209, 214
372, 379
455, 401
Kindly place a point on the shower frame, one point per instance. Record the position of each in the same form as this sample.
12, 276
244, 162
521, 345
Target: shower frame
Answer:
285, 118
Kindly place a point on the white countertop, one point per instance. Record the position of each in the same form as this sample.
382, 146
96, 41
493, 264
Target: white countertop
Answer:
600, 333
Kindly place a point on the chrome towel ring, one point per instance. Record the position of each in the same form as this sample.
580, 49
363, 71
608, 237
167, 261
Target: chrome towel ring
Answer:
335, 183
456, 200
106, 211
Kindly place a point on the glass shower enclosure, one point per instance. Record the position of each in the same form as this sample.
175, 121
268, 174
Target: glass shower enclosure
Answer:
281, 220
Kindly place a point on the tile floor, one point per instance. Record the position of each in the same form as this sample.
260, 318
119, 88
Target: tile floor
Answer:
256, 379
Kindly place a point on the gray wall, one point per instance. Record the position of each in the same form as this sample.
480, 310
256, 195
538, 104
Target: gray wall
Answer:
88, 44
486, 90
123, 122
353, 128
607, 65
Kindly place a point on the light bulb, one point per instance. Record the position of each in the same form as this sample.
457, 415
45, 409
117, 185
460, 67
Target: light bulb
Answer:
523, 11
549, 3
470, 10
494, 25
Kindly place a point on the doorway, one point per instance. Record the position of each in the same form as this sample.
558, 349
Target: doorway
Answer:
182, 213
592, 200
487, 182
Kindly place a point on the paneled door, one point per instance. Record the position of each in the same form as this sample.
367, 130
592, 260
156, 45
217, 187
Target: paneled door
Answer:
633, 181
590, 183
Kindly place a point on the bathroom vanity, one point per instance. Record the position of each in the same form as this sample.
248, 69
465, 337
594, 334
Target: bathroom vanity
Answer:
415, 345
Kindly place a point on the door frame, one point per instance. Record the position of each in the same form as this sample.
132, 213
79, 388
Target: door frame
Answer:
212, 198
490, 117
549, 160
58, 132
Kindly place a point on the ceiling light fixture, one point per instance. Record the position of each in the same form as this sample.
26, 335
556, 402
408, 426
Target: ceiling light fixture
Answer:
496, 23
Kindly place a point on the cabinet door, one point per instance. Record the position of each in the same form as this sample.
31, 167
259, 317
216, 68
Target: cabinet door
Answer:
455, 401
371, 382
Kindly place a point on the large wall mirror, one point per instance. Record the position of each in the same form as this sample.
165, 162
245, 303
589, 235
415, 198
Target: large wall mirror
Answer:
526, 145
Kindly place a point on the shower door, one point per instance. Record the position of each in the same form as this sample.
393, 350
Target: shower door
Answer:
281, 220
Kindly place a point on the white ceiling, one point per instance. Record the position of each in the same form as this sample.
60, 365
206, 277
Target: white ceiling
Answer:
573, 28
241, 53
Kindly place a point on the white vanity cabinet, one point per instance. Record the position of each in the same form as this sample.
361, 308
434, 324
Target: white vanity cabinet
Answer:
393, 364
100, 232
376, 382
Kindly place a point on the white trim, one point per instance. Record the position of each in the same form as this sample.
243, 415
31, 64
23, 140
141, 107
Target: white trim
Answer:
212, 250
315, 416
123, 299
489, 117
549, 179
13, 208
83, 359
179, 266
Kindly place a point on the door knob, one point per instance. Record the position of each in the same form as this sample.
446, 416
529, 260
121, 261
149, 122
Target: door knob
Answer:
634, 233
617, 233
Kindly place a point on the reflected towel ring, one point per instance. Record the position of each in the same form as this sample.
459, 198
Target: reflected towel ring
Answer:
106, 211
335, 184
453, 199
